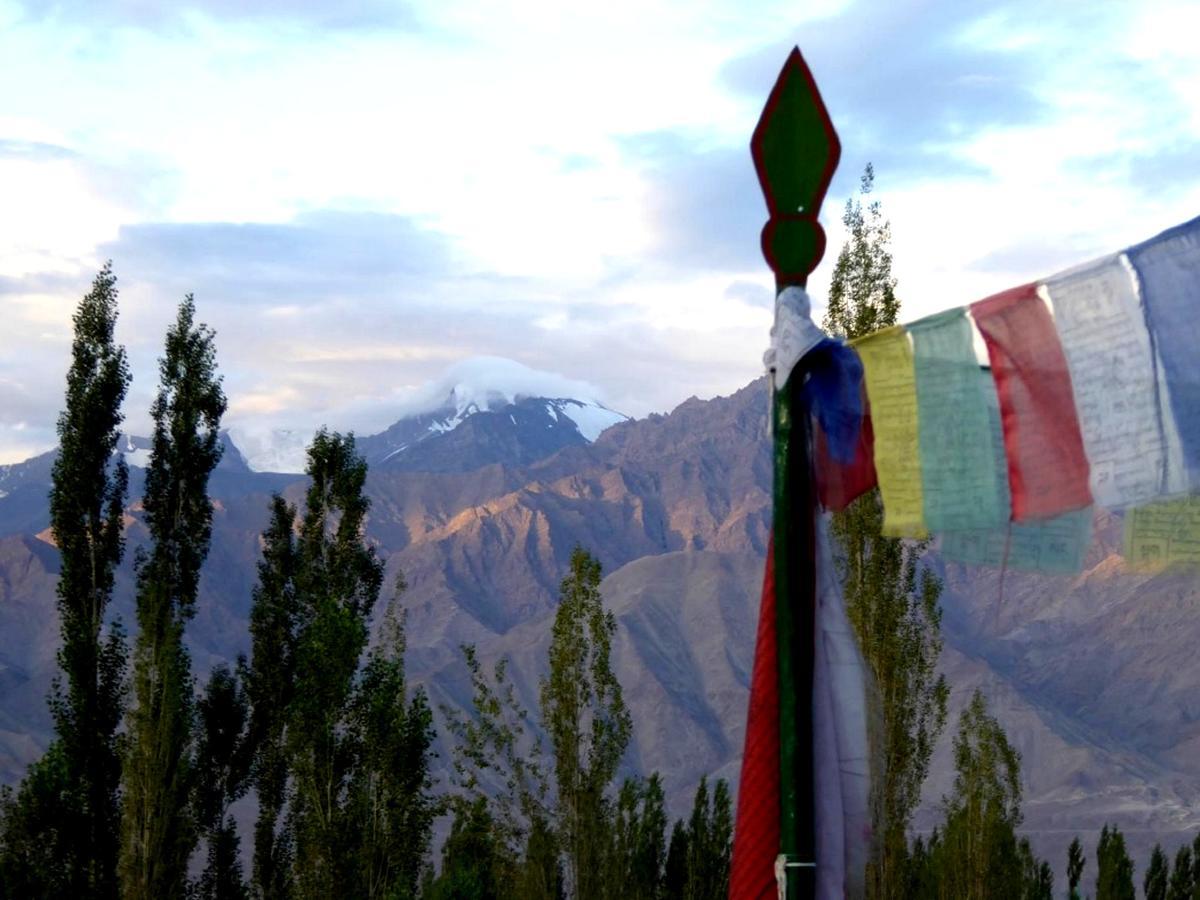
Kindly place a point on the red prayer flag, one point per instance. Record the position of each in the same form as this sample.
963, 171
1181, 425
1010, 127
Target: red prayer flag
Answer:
756, 835
1047, 466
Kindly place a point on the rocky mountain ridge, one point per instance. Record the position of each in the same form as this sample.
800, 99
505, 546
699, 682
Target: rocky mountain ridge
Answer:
1093, 675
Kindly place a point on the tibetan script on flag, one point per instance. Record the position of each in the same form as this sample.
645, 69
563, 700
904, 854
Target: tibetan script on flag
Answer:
958, 465
1104, 337
1163, 534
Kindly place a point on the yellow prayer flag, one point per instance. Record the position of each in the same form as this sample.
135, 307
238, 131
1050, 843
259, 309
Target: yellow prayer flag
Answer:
892, 390
1163, 534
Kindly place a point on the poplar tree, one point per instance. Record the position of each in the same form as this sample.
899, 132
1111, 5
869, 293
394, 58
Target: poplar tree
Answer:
675, 875
978, 855
389, 805
158, 833
499, 767
1114, 868
1075, 863
639, 839
222, 758
274, 619
709, 843
1154, 885
585, 717
337, 582
1180, 885
891, 599
60, 834
356, 745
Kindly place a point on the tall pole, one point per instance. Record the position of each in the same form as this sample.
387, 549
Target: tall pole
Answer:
795, 150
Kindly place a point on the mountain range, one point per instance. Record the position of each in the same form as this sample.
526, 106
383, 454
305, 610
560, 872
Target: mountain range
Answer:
479, 501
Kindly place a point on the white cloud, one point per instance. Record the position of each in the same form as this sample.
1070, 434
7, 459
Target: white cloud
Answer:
359, 201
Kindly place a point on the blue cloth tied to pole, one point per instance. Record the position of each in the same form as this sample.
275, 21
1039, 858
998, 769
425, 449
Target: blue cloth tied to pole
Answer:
833, 394
1168, 269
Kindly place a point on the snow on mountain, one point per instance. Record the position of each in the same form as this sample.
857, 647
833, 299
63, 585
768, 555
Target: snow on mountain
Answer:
491, 382
480, 384
273, 449
590, 418
136, 450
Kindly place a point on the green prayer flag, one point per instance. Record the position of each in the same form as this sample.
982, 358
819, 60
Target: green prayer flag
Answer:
958, 461
1054, 546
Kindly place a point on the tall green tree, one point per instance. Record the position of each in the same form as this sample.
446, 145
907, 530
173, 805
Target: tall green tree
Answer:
269, 680
1114, 868
471, 869
1154, 885
337, 583
892, 599
862, 295
61, 829
1036, 875
222, 756
675, 873
639, 845
1181, 884
1075, 863
1196, 867
389, 805
979, 856
498, 763
158, 833
584, 714
709, 842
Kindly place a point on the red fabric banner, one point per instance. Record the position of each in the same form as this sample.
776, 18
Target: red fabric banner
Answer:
1047, 466
756, 833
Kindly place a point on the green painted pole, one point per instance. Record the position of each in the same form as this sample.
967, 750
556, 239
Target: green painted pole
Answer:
795, 150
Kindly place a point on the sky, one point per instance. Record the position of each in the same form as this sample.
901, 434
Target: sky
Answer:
362, 194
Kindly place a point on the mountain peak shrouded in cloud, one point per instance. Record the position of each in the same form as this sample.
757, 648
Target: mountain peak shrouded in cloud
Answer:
488, 382
534, 399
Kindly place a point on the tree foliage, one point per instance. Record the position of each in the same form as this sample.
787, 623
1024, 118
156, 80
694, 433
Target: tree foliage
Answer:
639, 839
892, 600
158, 831
976, 854
338, 744
1181, 885
862, 296
222, 756
274, 620
1075, 864
584, 714
1114, 868
62, 827
1154, 885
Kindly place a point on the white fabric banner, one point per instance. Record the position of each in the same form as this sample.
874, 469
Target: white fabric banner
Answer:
841, 752
1099, 319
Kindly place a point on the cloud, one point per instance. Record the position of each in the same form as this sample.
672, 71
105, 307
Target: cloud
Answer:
704, 204
751, 294
318, 255
33, 150
905, 82
152, 15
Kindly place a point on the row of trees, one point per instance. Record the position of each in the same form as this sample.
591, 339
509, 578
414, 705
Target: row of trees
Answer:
134, 796
323, 730
540, 823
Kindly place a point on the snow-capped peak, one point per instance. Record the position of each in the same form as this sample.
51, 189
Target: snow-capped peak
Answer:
491, 382
590, 418
479, 384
